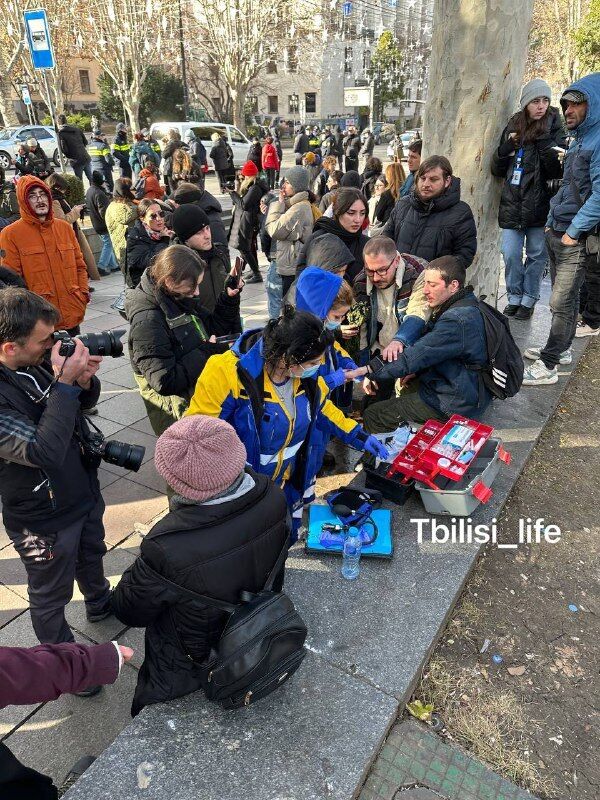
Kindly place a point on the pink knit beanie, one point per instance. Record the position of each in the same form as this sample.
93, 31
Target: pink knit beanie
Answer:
199, 457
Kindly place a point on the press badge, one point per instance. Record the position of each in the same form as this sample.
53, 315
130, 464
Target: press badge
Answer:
517, 175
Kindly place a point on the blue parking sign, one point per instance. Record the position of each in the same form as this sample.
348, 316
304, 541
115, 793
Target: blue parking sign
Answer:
347, 9
38, 37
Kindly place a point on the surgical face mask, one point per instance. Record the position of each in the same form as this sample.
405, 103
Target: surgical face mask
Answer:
308, 372
332, 326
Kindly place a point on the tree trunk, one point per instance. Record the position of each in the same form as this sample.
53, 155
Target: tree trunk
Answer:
239, 118
7, 109
477, 64
132, 109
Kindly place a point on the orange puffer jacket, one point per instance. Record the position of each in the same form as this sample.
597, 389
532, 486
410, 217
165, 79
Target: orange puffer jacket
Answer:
47, 256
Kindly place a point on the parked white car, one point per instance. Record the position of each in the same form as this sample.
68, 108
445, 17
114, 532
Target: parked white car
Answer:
11, 138
204, 130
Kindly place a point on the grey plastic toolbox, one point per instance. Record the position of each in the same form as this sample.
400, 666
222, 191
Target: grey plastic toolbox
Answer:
461, 498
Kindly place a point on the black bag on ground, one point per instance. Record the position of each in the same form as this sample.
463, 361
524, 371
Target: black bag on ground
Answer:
261, 646
503, 374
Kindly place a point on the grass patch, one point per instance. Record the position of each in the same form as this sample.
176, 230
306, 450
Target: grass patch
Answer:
489, 724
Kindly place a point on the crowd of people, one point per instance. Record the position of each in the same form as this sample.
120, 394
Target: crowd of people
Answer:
368, 282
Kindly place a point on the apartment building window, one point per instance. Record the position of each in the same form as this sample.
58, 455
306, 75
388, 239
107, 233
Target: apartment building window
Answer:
348, 60
84, 81
310, 102
273, 104
366, 60
291, 60
272, 66
293, 103
252, 103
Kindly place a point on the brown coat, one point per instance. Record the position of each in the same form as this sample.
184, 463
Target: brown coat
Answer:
47, 256
86, 250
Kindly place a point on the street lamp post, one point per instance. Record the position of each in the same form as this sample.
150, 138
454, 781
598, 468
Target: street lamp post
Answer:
186, 98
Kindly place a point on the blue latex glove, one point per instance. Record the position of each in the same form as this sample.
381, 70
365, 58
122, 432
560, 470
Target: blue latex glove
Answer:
375, 448
335, 379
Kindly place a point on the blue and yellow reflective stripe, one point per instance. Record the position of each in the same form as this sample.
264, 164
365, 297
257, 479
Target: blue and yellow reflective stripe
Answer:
124, 148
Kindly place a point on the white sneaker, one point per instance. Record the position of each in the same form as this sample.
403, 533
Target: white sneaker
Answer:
585, 330
533, 353
538, 374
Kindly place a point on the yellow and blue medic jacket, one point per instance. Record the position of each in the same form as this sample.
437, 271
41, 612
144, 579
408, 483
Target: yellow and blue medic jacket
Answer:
316, 291
235, 387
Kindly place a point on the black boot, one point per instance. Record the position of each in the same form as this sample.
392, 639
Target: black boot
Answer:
255, 278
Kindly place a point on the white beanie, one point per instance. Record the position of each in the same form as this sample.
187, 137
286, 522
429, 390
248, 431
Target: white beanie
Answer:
535, 88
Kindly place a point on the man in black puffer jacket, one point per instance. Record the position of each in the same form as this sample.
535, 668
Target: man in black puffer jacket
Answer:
433, 221
226, 528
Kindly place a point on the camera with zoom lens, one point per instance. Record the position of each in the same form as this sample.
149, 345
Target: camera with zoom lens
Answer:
105, 343
554, 185
121, 454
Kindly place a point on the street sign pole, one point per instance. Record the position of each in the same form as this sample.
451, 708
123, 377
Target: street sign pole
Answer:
42, 58
61, 157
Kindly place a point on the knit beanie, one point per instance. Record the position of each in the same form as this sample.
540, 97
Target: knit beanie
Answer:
249, 170
188, 220
199, 457
535, 88
298, 178
187, 193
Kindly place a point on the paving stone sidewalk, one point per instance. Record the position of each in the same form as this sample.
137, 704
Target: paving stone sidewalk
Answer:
49, 737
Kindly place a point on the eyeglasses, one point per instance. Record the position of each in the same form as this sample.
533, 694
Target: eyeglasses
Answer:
381, 271
157, 215
37, 196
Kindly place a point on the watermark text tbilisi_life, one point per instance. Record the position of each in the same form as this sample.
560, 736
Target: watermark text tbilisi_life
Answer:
462, 530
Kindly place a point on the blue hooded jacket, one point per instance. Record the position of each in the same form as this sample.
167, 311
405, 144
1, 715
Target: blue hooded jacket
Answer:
570, 213
315, 292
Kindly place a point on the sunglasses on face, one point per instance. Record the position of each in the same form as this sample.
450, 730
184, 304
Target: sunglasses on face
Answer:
381, 272
156, 215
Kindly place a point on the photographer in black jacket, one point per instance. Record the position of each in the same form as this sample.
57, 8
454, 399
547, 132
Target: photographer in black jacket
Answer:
51, 502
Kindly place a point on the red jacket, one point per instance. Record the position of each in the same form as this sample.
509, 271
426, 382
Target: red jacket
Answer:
37, 674
47, 256
269, 157
152, 187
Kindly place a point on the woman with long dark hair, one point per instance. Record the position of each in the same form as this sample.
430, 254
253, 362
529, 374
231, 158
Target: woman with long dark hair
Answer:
245, 222
267, 388
350, 210
527, 158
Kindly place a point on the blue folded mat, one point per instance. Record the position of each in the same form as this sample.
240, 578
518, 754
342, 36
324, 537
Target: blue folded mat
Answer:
382, 547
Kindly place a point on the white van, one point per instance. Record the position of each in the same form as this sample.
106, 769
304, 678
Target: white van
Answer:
204, 130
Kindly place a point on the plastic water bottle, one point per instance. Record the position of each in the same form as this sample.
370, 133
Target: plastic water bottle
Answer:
351, 556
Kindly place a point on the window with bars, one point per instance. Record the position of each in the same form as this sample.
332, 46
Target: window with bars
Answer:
310, 102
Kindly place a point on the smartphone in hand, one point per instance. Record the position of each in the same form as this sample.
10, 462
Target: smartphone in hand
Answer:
233, 279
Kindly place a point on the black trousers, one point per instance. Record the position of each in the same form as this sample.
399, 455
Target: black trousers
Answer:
250, 256
286, 284
18, 782
77, 552
271, 173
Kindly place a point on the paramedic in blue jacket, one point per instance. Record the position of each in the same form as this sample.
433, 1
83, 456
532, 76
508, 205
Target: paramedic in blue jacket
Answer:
268, 389
574, 214
329, 297
436, 380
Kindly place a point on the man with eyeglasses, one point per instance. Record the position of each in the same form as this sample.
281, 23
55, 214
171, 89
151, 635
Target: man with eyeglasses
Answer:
435, 379
45, 252
391, 288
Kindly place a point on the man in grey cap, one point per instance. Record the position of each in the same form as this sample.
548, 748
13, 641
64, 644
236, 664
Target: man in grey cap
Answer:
289, 223
571, 236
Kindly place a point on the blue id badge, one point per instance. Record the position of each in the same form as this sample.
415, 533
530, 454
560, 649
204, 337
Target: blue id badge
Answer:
517, 175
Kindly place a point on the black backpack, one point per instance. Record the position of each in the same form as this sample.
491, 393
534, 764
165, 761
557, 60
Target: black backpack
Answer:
503, 374
261, 647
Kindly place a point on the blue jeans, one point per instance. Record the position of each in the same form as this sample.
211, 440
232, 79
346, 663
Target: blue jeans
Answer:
107, 259
79, 167
274, 291
523, 279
